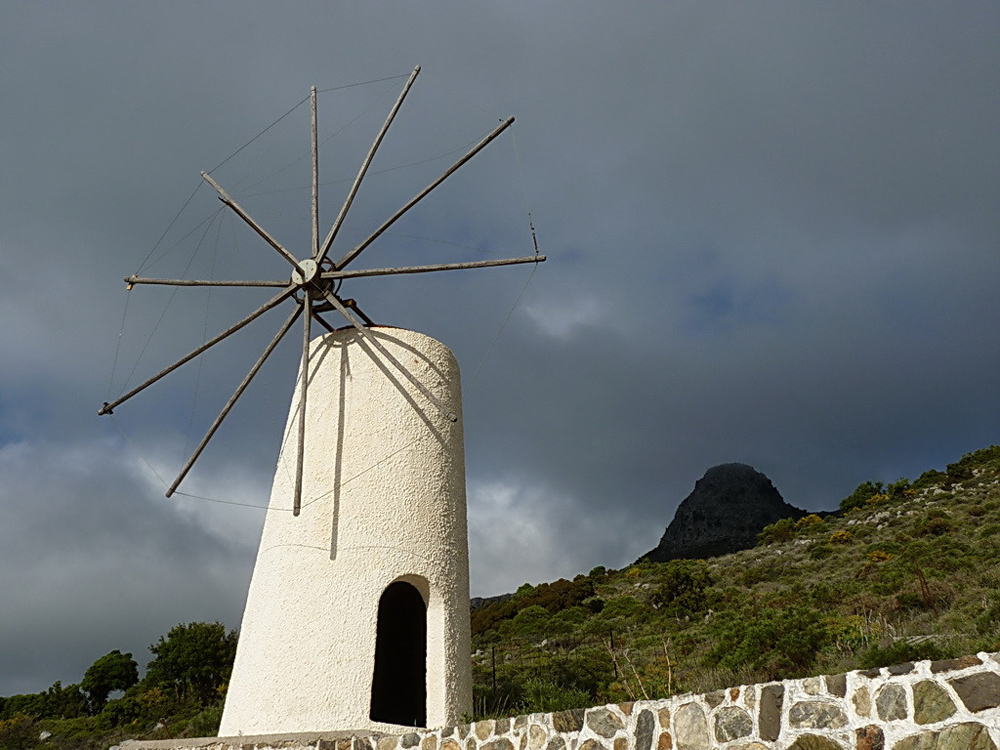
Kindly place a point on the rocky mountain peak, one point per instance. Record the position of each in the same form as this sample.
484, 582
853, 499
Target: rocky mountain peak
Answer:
725, 512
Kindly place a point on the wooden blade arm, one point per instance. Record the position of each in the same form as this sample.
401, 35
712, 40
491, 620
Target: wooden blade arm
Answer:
300, 458
364, 168
130, 280
428, 269
232, 400
274, 302
225, 197
421, 195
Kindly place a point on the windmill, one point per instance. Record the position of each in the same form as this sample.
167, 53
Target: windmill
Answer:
357, 615
311, 286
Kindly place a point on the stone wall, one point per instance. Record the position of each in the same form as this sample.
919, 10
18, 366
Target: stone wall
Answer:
939, 705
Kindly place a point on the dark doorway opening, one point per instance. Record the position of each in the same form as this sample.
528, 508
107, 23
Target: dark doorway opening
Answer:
399, 687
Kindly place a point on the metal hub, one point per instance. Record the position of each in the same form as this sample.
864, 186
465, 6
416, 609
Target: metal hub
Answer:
308, 273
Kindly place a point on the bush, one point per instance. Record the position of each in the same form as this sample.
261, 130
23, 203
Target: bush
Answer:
681, 590
542, 696
841, 537
934, 526
18, 732
781, 530
808, 522
899, 652
861, 494
780, 642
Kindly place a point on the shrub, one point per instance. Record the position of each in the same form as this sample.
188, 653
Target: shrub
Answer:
779, 642
879, 556
899, 490
859, 497
841, 537
682, 587
934, 526
808, 522
542, 696
781, 530
820, 551
18, 732
931, 478
898, 653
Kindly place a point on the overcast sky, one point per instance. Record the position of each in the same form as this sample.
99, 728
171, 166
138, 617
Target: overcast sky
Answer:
773, 237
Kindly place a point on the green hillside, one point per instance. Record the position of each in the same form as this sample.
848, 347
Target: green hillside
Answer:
906, 571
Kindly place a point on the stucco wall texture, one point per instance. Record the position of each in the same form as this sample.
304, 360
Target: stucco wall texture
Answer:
383, 500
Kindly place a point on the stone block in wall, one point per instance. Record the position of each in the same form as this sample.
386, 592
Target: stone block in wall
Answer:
931, 703
978, 691
950, 665
603, 722
817, 715
966, 736
870, 737
862, 701
890, 701
691, 728
645, 726
536, 737
732, 723
568, 721
664, 717
715, 698
836, 684
769, 718
815, 742
483, 729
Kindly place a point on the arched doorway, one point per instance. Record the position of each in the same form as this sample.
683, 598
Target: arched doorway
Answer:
399, 686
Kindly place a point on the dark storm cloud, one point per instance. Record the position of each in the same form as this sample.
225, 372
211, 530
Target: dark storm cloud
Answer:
772, 234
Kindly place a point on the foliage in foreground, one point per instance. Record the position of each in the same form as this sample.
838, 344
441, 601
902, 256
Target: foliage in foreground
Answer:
181, 695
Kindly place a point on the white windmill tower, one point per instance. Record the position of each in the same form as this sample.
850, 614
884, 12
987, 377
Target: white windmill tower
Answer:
358, 611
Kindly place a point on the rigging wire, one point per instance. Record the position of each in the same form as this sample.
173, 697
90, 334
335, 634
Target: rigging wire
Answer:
204, 334
306, 154
258, 135
169, 227
166, 307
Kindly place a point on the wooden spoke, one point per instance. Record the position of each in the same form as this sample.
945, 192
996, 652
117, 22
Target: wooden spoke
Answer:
306, 319
232, 400
315, 180
253, 224
367, 335
327, 326
428, 269
274, 302
421, 195
130, 280
321, 255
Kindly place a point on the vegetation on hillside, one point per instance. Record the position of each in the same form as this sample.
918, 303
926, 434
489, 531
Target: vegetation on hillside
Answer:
901, 572
904, 571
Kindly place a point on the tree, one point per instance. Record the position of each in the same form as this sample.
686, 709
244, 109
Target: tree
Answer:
194, 659
114, 671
